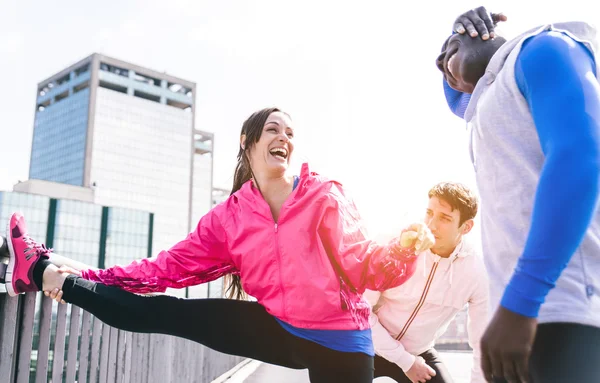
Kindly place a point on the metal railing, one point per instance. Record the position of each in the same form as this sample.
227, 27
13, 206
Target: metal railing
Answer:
42, 341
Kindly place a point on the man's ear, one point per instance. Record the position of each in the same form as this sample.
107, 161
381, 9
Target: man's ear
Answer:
467, 226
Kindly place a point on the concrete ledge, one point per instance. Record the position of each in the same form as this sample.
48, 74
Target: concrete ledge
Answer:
55, 190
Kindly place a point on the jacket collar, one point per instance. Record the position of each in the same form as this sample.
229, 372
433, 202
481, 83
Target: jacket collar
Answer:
462, 250
248, 191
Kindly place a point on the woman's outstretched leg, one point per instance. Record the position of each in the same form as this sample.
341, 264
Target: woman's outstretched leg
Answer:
232, 327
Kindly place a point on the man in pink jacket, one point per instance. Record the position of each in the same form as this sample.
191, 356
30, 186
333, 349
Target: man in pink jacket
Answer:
408, 319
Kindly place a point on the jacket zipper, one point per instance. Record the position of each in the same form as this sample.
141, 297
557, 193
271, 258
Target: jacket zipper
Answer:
421, 300
276, 230
279, 268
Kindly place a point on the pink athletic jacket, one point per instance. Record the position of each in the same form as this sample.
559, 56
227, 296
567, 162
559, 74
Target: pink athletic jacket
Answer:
309, 269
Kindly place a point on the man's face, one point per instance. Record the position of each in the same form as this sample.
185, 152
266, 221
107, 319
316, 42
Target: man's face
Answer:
444, 223
463, 60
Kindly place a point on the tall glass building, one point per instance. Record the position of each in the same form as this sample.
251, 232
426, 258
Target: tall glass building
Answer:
127, 132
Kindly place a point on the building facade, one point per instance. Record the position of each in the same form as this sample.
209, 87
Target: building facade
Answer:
127, 133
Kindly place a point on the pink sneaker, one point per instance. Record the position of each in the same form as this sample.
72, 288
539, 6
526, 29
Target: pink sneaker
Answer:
24, 254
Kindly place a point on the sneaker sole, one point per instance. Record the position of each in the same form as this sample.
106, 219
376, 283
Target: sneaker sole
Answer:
11, 265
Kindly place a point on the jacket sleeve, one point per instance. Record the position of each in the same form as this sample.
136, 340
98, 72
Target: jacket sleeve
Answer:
456, 100
564, 100
384, 343
362, 263
201, 257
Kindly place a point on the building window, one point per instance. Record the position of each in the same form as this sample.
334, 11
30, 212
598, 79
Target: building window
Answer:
82, 70
114, 69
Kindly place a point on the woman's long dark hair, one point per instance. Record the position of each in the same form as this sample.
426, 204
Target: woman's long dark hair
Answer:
252, 128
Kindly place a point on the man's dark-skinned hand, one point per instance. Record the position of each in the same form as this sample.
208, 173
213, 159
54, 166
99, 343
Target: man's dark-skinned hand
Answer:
478, 22
506, 345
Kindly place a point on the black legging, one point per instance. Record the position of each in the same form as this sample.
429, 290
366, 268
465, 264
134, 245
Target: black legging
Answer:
384, 367
565, 352
232, 327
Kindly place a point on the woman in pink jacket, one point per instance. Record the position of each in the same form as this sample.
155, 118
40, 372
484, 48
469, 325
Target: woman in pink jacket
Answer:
296, 244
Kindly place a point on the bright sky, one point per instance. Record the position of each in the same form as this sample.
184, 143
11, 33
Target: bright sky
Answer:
358, 79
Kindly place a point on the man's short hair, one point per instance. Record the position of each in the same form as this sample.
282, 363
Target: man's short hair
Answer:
458, 196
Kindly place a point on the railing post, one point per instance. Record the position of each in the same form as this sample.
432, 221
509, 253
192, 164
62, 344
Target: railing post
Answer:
25, 340
103, 234
51, 222
9, 320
